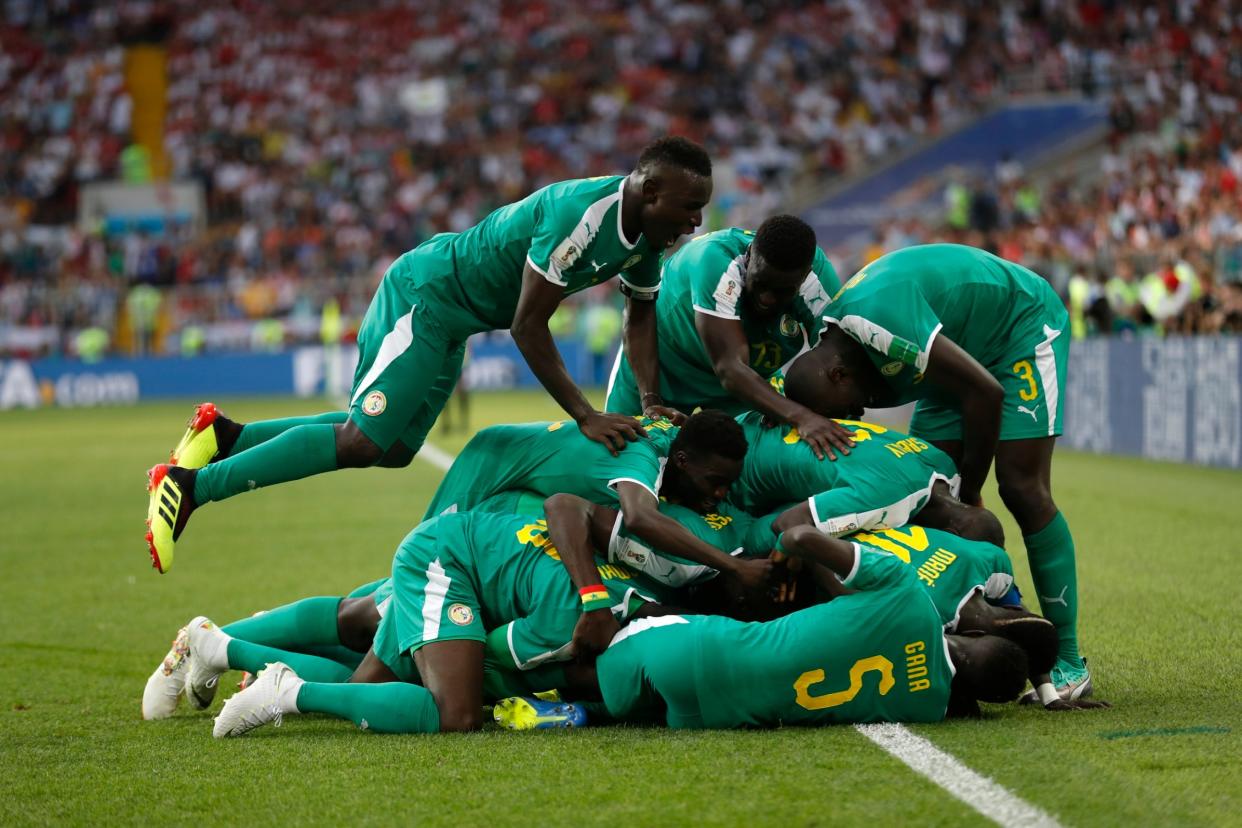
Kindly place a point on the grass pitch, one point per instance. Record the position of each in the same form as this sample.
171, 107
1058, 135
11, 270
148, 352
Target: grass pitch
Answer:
84, 620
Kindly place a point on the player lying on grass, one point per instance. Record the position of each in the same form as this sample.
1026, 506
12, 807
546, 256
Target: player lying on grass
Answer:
879, 654
982, 344
467, 588
692, 466
510, 271
889, 479
341, 630
735, 306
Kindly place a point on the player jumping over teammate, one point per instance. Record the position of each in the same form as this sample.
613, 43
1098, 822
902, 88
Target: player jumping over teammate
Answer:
510, 271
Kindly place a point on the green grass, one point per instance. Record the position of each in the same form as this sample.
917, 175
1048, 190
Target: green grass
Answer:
84, 620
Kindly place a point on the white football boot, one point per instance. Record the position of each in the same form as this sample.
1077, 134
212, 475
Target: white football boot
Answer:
273, 694
209, 658
163, 689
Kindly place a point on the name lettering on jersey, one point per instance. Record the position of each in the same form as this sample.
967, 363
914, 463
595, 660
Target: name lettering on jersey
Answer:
657, 425
875, 663
932, 568
916, 666
614, 571
910, 445
716, 521
556, 426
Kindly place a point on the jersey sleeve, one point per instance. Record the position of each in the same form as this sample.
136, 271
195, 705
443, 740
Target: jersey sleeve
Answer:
814, 296
715, 284
642, 281
877, 570
842, 511
637, 463
557, 241
894, 321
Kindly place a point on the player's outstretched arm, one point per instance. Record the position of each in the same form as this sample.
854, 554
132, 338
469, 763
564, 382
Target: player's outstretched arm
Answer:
644, 519
536, 304
809, 543
980, 396
728, 349
642, 347
569, 530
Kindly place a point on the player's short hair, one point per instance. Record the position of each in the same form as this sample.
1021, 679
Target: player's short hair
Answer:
711, 432
1036, 635
996, 671
804, 377
675, 151
786, 242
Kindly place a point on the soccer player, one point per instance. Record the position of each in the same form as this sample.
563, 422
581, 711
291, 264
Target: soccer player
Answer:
510, 271
735, 306
981, 344
879, 654
692, 466
454, 578
886, 480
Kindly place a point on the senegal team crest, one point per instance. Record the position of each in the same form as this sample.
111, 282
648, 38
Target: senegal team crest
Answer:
789, 325
892, 369
460, 614
373, 404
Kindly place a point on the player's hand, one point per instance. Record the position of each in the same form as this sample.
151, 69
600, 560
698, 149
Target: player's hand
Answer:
1081, 704
658, 412
753, 574
823, 434
593, 633
613, 430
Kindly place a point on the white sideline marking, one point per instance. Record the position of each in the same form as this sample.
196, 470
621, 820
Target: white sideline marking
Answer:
992, 800
979, 792
436, 456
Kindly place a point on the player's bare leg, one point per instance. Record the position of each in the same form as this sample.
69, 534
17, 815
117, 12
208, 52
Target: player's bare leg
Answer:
453, 672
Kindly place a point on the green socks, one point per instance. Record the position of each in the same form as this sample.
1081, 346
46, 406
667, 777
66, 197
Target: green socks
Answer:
1050, 552
244, 655
252, 434
299, 452
310, 622
393, 707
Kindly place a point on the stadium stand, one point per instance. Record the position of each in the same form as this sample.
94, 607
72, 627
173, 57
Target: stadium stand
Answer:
321, 163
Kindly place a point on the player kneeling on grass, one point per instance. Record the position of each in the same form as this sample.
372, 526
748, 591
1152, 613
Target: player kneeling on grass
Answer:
879, 654
454, 578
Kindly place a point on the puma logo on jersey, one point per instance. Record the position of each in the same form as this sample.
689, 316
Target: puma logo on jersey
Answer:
1060, 599
1023, 409
598, 267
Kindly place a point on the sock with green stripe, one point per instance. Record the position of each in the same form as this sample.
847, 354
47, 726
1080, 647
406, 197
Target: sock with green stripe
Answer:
310, 622
1050, 552
243, 655
392, 707
301, 451
252, 434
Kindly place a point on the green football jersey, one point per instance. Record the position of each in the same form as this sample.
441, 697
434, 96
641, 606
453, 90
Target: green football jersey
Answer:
550, 457
949, 567
569, 231
898, 304
886, 477
513, 572
706, 276
726, 529
877, 655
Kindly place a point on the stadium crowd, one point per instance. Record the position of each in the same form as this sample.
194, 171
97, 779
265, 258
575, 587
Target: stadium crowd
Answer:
321, 164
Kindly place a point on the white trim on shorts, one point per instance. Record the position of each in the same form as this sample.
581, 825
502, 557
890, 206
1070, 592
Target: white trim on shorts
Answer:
433, 600
1046, 364
395, 343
